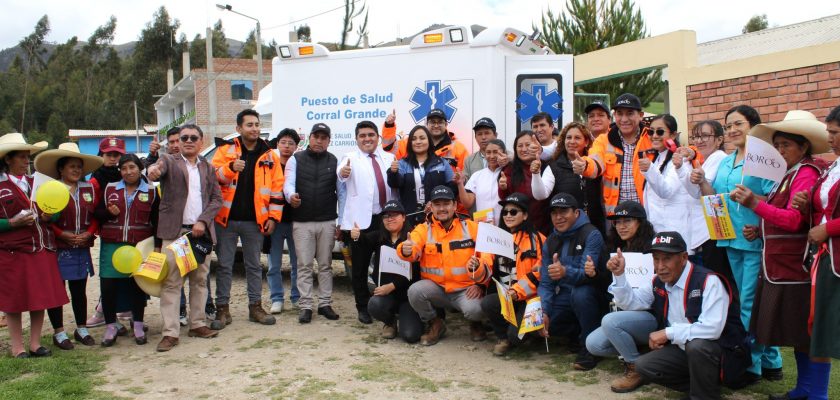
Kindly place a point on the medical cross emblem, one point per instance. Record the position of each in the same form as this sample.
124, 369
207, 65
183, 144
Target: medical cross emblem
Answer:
538, 99
433, 97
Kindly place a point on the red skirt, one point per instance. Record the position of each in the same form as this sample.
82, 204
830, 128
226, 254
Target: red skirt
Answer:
30, 281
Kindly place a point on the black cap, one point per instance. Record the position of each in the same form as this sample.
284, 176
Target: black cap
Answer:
628, 100
596, 104
485, 123
201, 247
518, 199
436, 113
564, 200
442, 192
393, 206
320, 127
668, 242
629, 209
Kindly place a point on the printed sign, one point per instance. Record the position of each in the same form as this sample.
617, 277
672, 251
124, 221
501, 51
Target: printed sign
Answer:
638, 268
154, 267
485, 215
183, 254
389, 262
506, 303
717, 217
761, 159
532, 319
494, 240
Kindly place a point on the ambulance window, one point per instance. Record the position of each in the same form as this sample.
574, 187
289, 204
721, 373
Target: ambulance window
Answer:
537, 93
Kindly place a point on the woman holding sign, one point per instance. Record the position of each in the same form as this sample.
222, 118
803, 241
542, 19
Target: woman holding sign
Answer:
74, 230
29, 278
389, 302
783, 295
744, 255
128, 212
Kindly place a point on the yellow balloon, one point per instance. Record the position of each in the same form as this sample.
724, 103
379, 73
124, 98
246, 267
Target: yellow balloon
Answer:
126, 259
52, 197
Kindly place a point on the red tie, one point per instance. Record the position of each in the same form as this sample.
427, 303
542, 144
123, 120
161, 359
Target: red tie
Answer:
380, 183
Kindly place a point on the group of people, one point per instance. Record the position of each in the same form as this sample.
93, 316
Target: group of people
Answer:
575, 200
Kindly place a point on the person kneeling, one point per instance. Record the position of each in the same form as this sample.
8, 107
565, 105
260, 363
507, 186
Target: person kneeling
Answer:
700, 339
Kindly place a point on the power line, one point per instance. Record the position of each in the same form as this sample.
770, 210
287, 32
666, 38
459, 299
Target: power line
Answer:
309, 17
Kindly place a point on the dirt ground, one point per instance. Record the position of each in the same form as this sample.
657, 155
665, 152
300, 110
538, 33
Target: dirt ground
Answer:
341, 359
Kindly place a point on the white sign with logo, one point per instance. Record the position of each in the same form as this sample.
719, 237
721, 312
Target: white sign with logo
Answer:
638, 268
389, 262
494, 240
762, 160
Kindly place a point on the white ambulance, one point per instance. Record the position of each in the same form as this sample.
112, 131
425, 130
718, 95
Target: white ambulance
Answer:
501, 73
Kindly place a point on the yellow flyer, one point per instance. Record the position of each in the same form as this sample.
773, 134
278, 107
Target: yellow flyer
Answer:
485, 215
183, 254
532, 319
717, 217
153, 267
506, 302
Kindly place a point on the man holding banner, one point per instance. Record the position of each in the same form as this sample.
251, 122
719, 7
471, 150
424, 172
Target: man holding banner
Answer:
192, 200
452, 274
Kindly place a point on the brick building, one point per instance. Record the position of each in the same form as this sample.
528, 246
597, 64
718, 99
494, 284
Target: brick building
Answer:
188, 101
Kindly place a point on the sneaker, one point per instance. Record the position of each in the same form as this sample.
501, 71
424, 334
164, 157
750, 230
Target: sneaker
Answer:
182, 318
389, 331
276, 307
98, 319
585, 361
501, 348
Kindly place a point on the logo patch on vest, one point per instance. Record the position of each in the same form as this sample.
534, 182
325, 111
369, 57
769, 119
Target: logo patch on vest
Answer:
144, 197
87, 197
461, 244
695, 293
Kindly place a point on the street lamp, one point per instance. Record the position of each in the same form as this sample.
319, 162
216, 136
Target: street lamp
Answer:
227, 7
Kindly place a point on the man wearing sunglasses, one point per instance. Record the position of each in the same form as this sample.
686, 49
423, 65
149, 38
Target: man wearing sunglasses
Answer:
191, 203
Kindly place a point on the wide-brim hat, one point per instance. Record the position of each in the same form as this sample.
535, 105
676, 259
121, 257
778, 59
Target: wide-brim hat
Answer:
150, 287
46, 162
15, 142
796, 122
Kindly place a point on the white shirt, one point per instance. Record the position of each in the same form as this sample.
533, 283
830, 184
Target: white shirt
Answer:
21, 182
679, 331
484, 184
828, 183
192, 209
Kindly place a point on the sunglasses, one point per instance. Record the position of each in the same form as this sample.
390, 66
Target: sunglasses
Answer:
512, 212
190, 138
657, 132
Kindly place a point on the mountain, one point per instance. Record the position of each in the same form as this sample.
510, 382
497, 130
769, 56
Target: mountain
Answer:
7, 56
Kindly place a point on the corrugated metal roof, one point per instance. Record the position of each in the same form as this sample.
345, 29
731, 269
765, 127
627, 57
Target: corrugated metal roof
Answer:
771, 40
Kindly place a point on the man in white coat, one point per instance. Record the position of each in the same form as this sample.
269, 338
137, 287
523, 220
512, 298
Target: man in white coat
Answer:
363, 173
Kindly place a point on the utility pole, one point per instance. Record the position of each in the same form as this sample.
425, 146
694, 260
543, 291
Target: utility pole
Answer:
211, 82
259, 61
136, 128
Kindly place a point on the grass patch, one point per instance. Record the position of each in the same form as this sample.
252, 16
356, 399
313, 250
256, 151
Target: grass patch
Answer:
381, 370
67, 374
135, 390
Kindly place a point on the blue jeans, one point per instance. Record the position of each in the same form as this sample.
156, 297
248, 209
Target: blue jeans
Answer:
575, 311
620, 333
283, 232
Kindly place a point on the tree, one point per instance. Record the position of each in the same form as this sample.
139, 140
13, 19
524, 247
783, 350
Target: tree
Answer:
198, 49
589, 25
249, 48
350, 14
33, 50
756, 23
304, 33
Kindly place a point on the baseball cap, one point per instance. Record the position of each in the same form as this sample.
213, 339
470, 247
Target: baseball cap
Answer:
668, 242
563, 200
485, 123
110, 144
320, 127
629, 209
436, 113
201, 247
596, 104
628, 100
442, 192
393, 206
518, 199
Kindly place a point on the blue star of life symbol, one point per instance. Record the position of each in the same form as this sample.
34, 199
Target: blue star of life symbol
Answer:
433, 97
537, 100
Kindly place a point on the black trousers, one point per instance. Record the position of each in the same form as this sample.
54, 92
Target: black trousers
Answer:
695, 370
78, 300
389, 309
111, 287
716, 260
360, 254
503, 329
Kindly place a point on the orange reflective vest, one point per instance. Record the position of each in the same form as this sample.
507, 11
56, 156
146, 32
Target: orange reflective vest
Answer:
444, 254
523, 277
268, 182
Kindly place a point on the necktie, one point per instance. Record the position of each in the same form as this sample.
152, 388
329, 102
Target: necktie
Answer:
380, 182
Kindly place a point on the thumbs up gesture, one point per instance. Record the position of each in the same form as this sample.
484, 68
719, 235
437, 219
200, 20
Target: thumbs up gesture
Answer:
355, 232
535, 166
556, 270
395, 165
578, 163
589, 267
345, 170
644, 164
407, 248
697, 176
391, 118
503, 182
616, 263
458, 178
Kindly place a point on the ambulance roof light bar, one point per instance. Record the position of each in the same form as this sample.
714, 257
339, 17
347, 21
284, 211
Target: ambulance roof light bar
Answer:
441, 37
513, 39
288, 51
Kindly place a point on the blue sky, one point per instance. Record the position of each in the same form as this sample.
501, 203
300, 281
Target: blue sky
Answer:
711, 19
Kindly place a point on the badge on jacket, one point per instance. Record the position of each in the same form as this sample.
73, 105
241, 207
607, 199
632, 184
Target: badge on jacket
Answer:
87, 197
144, 197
